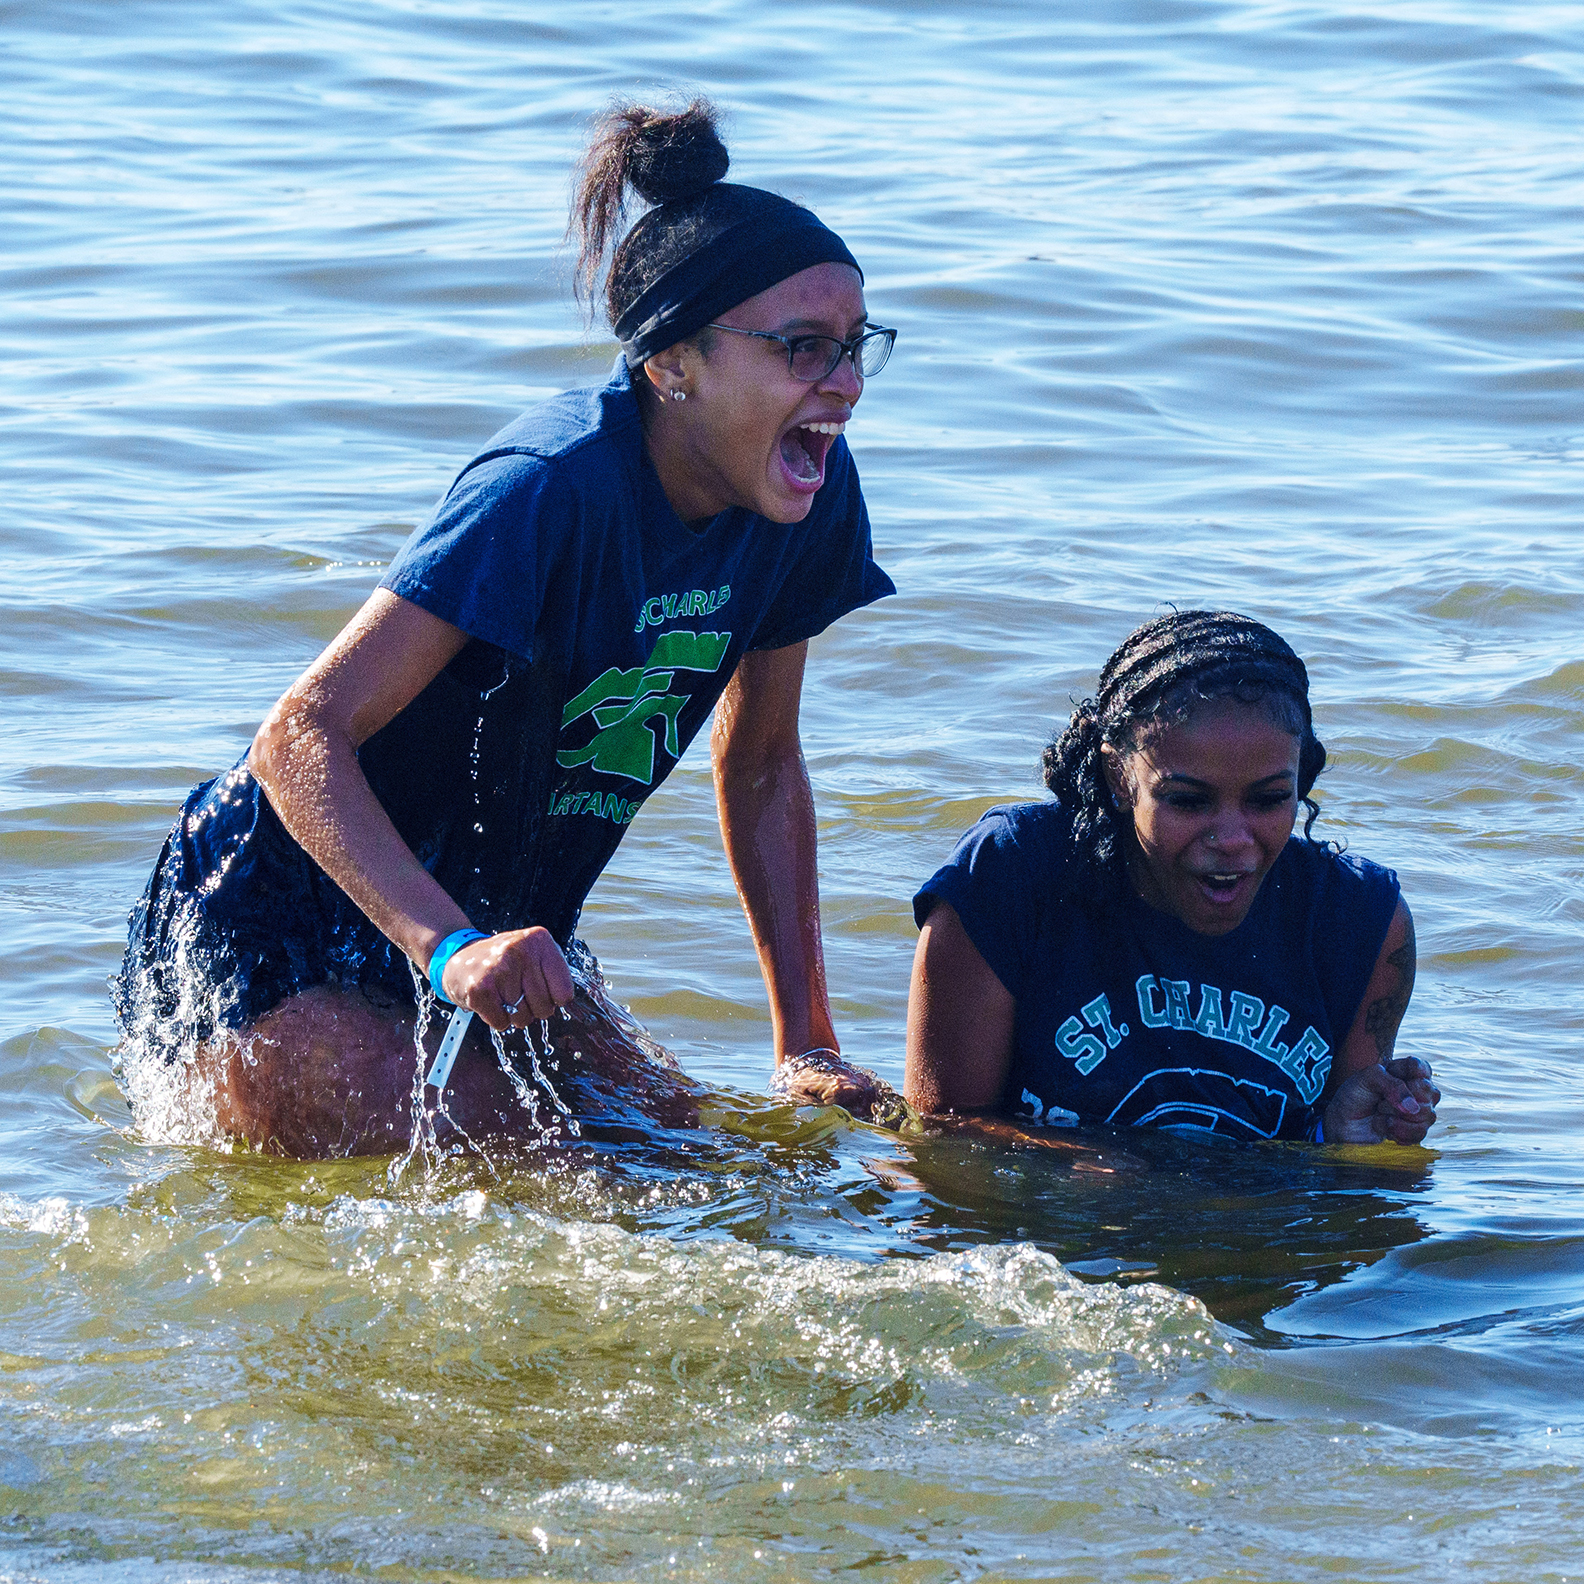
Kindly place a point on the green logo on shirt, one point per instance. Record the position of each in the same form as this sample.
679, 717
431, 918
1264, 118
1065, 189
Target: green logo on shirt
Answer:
674, 607
623, 703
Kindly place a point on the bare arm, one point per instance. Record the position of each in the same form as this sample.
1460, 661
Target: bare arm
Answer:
960, 1021
959, 1045
1376, 1095
305, 758
767, 825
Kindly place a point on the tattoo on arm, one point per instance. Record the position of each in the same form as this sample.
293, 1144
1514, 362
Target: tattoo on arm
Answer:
1385, 1014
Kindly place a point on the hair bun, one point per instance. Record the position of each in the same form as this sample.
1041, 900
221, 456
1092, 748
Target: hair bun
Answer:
663, 156
677, 156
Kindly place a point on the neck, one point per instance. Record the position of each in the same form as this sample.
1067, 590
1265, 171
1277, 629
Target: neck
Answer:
684, 472
1138, 873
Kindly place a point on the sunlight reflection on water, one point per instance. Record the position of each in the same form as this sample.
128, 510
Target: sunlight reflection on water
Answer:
1272, 306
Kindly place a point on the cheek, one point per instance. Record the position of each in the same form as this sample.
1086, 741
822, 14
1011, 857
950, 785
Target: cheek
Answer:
1274, 829
1161, 830
755, 431
746, 417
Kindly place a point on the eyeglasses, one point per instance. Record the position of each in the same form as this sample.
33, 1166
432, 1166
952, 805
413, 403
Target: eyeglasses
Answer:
813, 357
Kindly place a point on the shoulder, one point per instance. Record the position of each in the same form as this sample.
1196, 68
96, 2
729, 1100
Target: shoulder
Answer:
1340, 903
581, 438
1341, 879
1018, 847
1003, 880
1027, 831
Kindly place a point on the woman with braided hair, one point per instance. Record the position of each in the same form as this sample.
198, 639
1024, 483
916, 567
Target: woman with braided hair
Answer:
433, 798
1156, 946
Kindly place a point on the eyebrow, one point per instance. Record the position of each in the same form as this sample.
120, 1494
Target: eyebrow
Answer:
1194, 781
817, 327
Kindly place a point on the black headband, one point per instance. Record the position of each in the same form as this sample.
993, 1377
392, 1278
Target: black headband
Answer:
769, 239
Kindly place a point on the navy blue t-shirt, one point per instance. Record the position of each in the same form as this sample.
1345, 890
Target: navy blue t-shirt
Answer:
602, 628
1126, 1016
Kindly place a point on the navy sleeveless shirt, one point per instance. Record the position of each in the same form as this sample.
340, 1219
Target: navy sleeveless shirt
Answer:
1128, 1017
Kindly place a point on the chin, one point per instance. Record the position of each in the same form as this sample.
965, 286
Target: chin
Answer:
779, 509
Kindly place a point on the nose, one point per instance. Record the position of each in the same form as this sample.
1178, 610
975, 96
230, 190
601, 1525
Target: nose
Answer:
845, 380
1228, 835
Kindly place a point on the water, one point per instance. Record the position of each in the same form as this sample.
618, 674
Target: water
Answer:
1274, 306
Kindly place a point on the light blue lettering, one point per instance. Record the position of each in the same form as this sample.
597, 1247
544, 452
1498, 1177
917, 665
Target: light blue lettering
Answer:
1310, 1065
1209, 1021
1076, 1046
1247, 1011
1147, 1013
1307, 1063
1266, 1045
1176, 992
1097, 1014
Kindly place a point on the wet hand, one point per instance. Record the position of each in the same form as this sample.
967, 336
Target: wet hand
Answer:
825, 1077
512, 979
1394, 1102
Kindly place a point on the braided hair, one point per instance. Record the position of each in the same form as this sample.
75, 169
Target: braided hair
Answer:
1161, 674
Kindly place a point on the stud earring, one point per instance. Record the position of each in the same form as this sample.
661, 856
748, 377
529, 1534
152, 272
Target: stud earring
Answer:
679, 395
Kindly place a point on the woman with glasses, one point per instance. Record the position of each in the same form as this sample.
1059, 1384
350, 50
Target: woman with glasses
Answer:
434, 797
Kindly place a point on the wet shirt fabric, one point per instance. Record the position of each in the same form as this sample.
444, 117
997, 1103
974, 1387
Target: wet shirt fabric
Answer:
1126, 1016
602, 630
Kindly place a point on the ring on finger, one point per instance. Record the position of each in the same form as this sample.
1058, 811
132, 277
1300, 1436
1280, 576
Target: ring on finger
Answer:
510, 1008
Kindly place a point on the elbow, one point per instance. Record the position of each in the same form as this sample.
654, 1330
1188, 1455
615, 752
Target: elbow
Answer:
290, 738
267, 756
743, 759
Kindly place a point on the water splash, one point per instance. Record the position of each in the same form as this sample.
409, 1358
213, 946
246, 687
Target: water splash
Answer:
529, 1089
423, 1139
527, 1095
172, 1096
547, 1130
589, 977
541, 1078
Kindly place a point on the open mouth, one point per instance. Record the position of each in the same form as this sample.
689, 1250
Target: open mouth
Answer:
1222, 886
803, 452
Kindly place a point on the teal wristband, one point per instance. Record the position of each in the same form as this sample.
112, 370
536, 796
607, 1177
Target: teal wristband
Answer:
444, 952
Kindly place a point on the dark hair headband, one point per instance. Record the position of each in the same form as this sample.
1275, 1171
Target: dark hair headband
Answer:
774, 239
